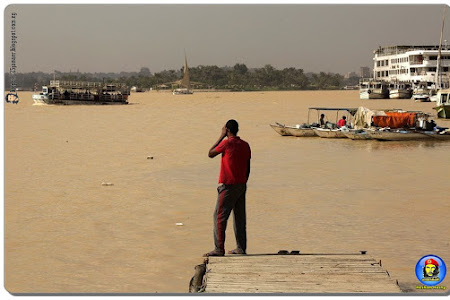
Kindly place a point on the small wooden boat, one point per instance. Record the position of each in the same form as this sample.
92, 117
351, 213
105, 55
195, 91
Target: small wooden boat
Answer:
329, 133
298, 130
329, 129
309, 129
281, 129
184, 85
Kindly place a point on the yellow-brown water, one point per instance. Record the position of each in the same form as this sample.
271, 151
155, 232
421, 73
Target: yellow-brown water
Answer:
66, 233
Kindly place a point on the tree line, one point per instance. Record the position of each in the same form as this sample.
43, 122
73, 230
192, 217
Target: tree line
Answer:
238, 77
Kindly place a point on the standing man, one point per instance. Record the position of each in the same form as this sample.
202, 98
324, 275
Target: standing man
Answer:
234, 173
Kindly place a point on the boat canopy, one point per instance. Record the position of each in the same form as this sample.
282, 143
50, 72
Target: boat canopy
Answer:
350, 111
334, 108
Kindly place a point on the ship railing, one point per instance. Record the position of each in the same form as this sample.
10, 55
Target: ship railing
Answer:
87, 84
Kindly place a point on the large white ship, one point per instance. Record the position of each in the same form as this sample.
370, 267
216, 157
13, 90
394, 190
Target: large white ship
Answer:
419, 67
411, 64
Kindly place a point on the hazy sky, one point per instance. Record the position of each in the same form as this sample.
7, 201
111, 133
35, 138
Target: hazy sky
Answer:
113, 38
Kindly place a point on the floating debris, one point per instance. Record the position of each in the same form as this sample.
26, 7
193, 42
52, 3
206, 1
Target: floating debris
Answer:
107, 184
149, 157
179, 224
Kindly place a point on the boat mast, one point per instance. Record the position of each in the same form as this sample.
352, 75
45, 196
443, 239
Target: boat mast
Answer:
186, 81
438, 66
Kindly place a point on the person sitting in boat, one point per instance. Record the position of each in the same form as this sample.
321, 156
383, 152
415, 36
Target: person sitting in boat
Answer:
322, 120
342, 122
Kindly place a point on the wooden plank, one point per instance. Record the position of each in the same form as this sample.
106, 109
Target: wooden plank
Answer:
294, 265
297, 274
311, 258
257, 270
288, 287
304, 278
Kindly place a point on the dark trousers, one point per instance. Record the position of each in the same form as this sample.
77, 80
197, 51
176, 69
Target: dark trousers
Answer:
231, 197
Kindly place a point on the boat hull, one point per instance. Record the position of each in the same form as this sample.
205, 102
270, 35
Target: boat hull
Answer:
401, 135
443, 111
372, 95
421, 97
444, 136
78, 102
357, 135
40, 99
329, 133
399, 94
281, 130
301, 132
182, 92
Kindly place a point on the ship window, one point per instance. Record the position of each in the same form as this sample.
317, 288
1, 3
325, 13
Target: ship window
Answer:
444, 98
433, 57
416, 59
445, 69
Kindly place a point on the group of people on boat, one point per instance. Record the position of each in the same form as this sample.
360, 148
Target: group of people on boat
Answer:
342, 122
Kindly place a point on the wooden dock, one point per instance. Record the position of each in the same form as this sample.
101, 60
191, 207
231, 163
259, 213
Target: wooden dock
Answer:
301, 273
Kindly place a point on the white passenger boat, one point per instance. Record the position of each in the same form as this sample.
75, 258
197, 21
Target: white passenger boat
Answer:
423, 91
373, 89
402, 90
64, 92
42, 97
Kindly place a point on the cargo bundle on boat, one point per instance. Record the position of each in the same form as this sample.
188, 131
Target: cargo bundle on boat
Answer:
82, 92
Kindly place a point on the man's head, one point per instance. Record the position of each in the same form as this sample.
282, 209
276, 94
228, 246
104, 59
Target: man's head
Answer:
322, 115
232, 126
344, 117
431, 268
